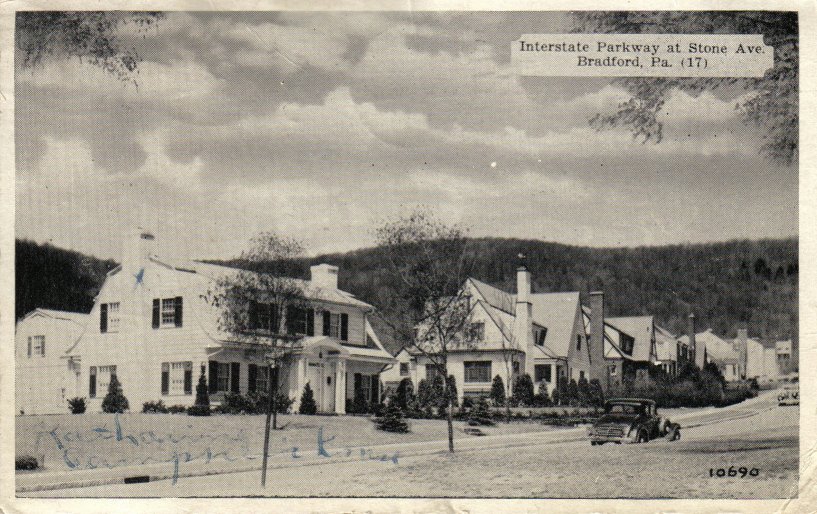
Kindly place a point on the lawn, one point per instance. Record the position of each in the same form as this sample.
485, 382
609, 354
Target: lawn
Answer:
86, 440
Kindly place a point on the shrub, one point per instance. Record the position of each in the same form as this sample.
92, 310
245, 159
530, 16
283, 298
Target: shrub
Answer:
583, 392
572, 395
359, 403
201, 407
596, 394
177, 409
199, 410
523, 390
308, 405
498, 391
392, 420
26, 462
154, 407
404, 394
541, 400
377, 408
480, 415
115, 400
77, 405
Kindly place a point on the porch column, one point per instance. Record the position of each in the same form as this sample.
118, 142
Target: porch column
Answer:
299, 381
340, 387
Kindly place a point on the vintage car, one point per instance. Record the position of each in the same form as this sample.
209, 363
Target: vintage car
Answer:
789, 395
631, 420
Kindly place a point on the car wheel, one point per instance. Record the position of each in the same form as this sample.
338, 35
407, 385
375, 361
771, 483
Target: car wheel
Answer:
593, 443
642, 436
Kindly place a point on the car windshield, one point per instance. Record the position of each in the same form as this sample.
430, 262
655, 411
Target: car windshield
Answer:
625, 408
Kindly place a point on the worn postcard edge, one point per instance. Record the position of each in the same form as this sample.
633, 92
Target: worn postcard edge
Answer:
805, 501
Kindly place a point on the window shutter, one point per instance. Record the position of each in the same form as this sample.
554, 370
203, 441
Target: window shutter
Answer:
235, 372
178, 315
273, 377
275, 319
42, 346
92, 383
358, 382
188, 378
252, 314
310, 322
376, 388
103, 318
29, 347
213, 376
252, 376
290, 321
165, 378
157, 308
344, 326
327, 319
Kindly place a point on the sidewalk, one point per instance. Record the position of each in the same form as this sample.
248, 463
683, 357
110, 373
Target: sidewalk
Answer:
391, 453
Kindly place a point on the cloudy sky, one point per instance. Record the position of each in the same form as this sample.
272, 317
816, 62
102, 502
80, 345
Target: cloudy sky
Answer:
320, 125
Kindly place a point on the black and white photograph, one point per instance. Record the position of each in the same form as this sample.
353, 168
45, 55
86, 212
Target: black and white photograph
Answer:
419, 254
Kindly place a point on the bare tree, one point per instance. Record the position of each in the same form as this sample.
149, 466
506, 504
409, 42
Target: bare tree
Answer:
430, 310
508, 349
257, 306
773, 105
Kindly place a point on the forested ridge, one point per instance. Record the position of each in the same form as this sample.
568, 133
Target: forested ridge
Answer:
725, 284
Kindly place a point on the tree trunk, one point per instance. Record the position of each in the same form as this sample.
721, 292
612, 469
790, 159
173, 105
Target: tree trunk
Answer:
273, 396
507, 409
450, 422
270, 411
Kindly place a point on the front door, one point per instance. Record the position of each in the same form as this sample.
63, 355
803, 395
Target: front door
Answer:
322, 381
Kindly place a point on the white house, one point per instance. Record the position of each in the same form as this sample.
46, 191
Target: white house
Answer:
42, 384
541, 334
152, 326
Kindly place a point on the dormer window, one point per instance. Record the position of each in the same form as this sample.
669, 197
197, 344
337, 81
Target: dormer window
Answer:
109, 317
167, 312
36, 346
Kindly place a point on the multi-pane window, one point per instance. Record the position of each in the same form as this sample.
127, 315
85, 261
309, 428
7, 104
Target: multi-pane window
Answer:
478, 331
262, 379
334, 325
516, 367
177, 377
477, 371
36, 346
223, 376
103, 378
366, 386
267, 317
113, 317
431, 372
542, 372
168, 311
540, 336
404, 369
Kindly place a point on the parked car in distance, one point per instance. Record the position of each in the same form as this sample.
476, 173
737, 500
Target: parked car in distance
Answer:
789, 395
631, 420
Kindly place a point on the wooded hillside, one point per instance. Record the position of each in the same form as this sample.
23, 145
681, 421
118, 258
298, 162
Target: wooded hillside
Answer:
723, 283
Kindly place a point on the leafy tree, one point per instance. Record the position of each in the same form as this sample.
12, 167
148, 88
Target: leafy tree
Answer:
429, 309
201, 406
88, 35
77, 405
257, 304
523, 390
773, 103
498, 391
308, 405
115, 400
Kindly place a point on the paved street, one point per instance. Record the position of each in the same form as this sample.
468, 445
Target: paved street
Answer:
756, 435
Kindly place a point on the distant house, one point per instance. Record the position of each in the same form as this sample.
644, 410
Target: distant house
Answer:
43, 382
152, 326
670, 353
542, 334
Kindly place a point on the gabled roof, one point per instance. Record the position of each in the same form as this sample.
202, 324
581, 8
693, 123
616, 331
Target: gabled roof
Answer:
77, 317
665, 344
641, 329
611, 348
557, 312
495, 297
215, 271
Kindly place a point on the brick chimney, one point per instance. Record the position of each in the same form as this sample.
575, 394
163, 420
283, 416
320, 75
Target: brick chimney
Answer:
595, 343
324, 276
139, 245
523, 313
699, 354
